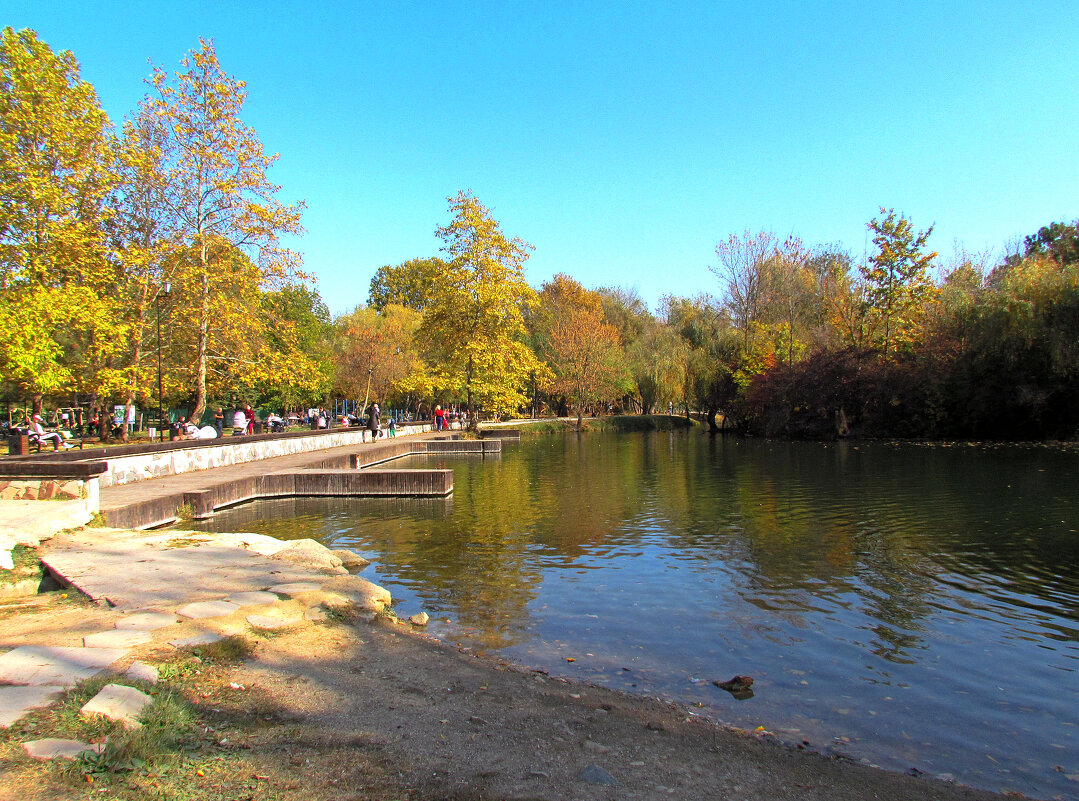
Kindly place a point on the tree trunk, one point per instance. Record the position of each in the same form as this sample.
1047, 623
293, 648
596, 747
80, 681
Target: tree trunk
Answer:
204, 342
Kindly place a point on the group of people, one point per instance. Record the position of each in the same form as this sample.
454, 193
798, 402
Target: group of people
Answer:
447, 418
372, 422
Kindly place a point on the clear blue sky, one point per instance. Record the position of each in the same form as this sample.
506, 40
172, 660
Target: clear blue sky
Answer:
624, 140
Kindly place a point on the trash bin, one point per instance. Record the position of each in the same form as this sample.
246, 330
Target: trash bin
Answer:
18, 444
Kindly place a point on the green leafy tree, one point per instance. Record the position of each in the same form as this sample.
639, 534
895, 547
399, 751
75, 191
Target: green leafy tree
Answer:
474, 327
1058, 241
409, 284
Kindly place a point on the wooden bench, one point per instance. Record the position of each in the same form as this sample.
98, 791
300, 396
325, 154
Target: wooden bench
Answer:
20, 444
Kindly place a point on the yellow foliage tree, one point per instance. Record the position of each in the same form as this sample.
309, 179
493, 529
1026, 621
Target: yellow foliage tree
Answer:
473, 327
57, 282
221, 203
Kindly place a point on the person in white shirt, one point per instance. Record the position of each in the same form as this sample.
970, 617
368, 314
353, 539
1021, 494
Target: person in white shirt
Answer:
45, 437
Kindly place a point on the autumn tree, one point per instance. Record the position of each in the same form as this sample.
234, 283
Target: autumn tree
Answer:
374, 356
410, 284
222, 203
627, 311
897, 278
57, 316
473, 327
583, 350
142, 240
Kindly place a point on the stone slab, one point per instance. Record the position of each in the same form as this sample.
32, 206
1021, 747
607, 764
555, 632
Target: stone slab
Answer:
142, 672
55, 664
147, 621
271, 621
295, 588
253, 598
118, 702
202, 638
204, 609
53, 748
117, 638
16, 701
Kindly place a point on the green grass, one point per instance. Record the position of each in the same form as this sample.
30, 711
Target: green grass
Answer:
26, 566
620, 422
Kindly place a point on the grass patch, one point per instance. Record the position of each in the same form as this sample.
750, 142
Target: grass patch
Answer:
344, 615
620, 422
25, 566
640, 422
227, 651
545, 427
186, 542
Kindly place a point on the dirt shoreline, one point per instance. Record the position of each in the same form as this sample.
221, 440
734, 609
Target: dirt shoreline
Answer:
453, 722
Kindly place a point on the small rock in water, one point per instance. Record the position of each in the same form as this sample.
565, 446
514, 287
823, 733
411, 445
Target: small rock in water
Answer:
739, 687
735, 684
596, 775
419, 619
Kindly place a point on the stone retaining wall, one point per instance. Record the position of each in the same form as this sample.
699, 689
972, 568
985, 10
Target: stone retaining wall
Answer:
155, 464
31, 488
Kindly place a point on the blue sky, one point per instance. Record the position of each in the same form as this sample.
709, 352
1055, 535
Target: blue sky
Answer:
624, 140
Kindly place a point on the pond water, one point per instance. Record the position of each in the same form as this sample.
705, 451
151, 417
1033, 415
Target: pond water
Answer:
910, 606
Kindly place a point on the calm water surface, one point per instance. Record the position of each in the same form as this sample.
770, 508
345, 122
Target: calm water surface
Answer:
909, 606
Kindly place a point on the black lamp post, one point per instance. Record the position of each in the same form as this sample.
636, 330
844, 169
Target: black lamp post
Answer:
164, 290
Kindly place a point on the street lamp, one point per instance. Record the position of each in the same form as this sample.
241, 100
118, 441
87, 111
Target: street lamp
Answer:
165, 287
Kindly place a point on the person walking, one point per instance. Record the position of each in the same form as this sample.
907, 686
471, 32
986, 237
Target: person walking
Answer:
372, 421
219, 421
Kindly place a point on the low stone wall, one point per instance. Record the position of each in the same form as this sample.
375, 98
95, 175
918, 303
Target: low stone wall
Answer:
155, 464
500, 433
45, 489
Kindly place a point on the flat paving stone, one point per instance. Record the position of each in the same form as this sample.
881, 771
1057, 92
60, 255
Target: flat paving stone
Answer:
272, 621
117, 638
16, 701
142, 671
253, 598
118, 702
53, 748
61, 665
202, 638
204, 609
295, 588
147, 621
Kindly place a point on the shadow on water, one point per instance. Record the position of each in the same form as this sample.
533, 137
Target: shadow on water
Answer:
910, 605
